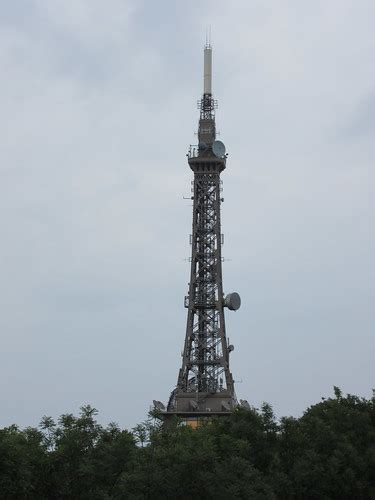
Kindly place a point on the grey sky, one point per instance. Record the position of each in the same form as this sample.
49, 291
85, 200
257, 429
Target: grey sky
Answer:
98, 107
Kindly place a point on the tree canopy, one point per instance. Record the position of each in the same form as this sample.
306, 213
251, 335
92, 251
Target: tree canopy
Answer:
327, 453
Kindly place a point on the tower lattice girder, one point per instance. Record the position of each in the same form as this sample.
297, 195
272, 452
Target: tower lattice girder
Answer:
205, 383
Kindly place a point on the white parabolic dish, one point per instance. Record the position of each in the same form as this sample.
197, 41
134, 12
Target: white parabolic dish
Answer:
218, 149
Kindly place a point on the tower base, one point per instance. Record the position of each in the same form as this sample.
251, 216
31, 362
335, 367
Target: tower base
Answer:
201, 403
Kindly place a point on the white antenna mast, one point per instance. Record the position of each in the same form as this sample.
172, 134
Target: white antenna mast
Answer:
207, 72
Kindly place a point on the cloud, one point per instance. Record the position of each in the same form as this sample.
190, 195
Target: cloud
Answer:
361, 122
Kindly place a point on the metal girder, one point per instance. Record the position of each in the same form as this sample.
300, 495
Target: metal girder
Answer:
205, 383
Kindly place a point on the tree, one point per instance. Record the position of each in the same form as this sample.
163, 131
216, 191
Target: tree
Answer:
328, 453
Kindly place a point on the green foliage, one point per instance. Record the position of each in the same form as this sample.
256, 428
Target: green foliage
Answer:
328, 453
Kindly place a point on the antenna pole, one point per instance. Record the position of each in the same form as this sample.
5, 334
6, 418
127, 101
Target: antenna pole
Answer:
207, 70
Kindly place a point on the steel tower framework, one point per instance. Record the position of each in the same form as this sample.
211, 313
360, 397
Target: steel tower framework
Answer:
205, 384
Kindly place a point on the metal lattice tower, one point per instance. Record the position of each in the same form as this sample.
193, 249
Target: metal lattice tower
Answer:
205, 384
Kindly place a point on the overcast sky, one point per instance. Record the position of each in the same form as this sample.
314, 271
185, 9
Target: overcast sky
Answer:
98, 107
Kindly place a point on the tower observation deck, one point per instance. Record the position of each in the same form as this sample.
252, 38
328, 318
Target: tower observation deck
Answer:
205, 384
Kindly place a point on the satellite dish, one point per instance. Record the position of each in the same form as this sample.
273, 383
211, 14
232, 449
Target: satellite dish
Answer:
159, 405
226, 405
245, 404
202, 146
194, 405
232, 301
218, 149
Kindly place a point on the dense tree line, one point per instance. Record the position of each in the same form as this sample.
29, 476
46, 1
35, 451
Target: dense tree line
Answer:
328, 453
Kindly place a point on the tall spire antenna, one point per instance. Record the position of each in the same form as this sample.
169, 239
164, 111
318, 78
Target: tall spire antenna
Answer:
207, 71
205, 386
